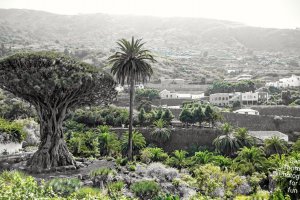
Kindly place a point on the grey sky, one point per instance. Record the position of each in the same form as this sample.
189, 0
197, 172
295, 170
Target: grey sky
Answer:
264, 13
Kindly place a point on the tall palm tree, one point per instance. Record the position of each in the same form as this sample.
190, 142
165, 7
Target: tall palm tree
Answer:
131, 65
275, 145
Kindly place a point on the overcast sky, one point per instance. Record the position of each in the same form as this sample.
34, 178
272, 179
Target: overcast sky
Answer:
264, 13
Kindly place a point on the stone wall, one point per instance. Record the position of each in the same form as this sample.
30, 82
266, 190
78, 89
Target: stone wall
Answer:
181, 138
287, 125
278, 110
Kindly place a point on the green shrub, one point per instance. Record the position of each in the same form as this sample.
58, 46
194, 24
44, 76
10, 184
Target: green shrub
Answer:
210, 177
115, 189
153, 155
145, 189
138, 141
64, 186
178, 159
102, 171
13, 129
16, 185
167, 197
84, 144
122, 161
88, 193
160, 133
296, 146
109, 143
96, 116
131, 167
12, 108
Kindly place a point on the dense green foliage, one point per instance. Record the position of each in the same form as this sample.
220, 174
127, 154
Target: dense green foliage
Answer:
138, 141
160, 132
146, 94
95, 116
18, 186
14, 131
145, 189
226, 87
197, 113
64, 186
14, 108
153, 155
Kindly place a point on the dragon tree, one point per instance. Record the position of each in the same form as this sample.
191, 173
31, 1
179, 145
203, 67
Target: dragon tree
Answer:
54, 83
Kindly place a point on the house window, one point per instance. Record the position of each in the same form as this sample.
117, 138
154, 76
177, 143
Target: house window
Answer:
167, 96
171, 96
223, 99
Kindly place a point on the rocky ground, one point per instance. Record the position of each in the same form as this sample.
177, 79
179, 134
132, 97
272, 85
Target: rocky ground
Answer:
168, 178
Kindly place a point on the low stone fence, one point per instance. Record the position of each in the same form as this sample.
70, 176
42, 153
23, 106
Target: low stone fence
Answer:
181, 138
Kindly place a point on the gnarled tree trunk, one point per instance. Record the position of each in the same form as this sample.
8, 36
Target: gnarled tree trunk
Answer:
52, 151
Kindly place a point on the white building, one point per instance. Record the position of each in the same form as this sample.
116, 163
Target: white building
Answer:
246, 111
249, 98
166, 94
219, 99
263, 135
293, 81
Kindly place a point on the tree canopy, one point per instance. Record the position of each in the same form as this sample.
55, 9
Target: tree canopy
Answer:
54, 83
49, 79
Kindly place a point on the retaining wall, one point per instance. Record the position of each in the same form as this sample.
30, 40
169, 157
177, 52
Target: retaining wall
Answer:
181, 138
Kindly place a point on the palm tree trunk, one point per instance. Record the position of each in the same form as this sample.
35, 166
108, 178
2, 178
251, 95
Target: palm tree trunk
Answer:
130, 118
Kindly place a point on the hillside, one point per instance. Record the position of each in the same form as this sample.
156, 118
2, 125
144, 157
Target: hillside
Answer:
179, 43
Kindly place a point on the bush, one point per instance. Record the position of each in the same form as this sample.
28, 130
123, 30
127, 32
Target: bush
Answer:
64, 186
160, 133
95, 116
84, 144
103, 171
88, 193
145, 189
115, 189
153, 155
122, 161
167, 197
178, 159
14, 108
210, 178
109, 143
138, 141
16, 185
13, 130
296, 146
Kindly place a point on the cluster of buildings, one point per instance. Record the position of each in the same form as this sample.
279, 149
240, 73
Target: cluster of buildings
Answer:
245, 98
293, 81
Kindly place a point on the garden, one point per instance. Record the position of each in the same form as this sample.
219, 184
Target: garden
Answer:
60, 110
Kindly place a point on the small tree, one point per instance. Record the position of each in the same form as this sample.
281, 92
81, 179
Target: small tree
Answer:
186, 116
142, 117
208, 114
167, 116
54, 83
198, 115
